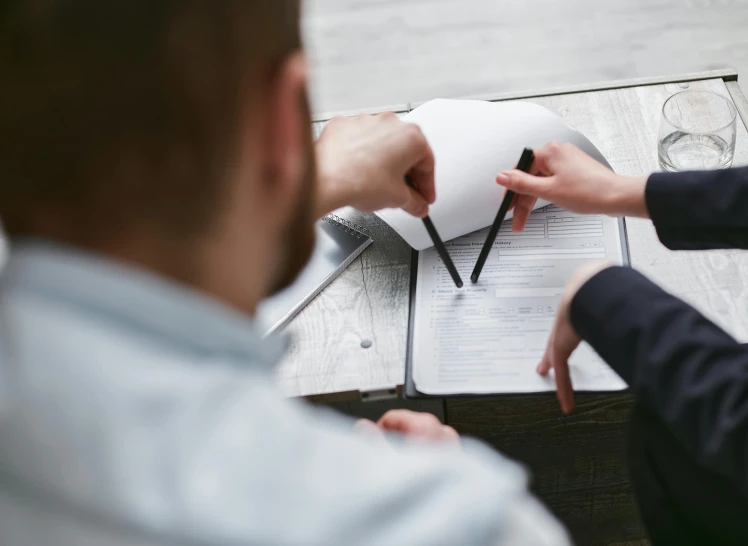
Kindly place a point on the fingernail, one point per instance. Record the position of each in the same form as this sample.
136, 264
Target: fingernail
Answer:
502, 178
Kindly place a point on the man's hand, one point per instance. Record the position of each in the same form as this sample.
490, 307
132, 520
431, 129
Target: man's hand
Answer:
566, 176
421, 426
363, 160
564, 339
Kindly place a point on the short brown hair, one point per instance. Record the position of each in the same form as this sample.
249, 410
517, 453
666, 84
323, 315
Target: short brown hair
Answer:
115, 112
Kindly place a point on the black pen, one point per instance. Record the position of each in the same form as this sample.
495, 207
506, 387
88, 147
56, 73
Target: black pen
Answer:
440, 248
525, 162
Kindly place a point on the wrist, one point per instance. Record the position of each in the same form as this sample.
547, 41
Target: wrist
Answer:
627, 197
330, 195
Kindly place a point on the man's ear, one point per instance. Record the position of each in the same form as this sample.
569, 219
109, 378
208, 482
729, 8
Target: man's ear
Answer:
284, 138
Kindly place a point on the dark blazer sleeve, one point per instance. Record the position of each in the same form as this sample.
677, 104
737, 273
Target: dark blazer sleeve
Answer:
698, 210
681, 366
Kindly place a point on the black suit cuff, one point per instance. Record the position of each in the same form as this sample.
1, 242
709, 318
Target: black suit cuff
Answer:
667, 196
699, 209
614, 292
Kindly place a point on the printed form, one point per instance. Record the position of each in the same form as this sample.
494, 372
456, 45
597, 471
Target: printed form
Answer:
489, 337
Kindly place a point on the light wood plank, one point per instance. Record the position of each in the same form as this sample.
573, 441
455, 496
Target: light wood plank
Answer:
739, 99
367, 302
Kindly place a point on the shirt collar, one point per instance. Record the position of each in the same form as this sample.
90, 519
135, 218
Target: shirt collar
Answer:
139, 298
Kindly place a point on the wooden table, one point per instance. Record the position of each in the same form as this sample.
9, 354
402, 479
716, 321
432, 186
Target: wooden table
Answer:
578, 462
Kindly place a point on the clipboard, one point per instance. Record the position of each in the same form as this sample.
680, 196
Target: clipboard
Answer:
409, 387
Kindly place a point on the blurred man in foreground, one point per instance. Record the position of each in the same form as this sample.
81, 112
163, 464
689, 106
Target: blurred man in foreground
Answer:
158, 181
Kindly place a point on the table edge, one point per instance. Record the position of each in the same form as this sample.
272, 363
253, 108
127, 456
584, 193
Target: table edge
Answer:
726, 74
738, 98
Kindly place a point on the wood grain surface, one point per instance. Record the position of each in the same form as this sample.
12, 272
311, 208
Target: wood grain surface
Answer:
576, 463
370, 299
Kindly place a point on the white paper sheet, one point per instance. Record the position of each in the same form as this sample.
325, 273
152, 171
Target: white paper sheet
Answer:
489, 337
473, 141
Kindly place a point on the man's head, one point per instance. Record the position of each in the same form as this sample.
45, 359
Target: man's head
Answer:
173, 134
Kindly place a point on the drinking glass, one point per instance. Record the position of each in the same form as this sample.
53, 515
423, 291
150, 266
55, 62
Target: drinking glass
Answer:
697, 131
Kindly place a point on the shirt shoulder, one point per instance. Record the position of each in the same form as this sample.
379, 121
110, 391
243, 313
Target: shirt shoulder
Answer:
179, 442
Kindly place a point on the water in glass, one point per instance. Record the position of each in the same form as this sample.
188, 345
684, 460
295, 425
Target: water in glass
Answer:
681, 151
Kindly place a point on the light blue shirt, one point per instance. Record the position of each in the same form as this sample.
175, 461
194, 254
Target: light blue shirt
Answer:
135, 411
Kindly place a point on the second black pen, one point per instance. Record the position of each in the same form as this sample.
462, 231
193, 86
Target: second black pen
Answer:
525, 162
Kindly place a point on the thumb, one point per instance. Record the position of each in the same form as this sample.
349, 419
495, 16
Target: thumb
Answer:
415, 203
564, 345
523, 183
